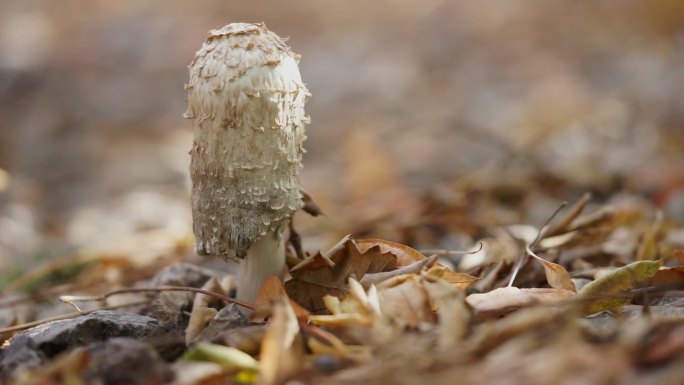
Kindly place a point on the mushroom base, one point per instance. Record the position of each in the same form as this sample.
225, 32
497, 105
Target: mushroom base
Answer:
265, 257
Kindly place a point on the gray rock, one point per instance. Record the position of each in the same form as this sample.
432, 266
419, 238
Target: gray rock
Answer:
182, 274
125, 361
35, 346
227, 318
171, 308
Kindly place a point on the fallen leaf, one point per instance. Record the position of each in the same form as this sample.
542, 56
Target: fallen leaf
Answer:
489, 335
562, 225
376, 278
460, 280
407, 303
405, 255
452, 313
247, 339
313, 281
661, 344
271, 290
201, 313
618, 281
343, 319
197, 373
229, 358
648, 248
504, 300
668, 276
556, 275
280, 356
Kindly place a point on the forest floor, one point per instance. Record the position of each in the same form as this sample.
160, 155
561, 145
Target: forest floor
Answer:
511, 177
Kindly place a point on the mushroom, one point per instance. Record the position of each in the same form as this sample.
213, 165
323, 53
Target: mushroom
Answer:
246, 100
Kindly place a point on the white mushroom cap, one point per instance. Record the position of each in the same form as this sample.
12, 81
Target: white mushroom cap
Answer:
246, 99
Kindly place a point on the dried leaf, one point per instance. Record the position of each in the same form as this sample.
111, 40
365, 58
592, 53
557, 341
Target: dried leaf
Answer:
310, 206
201, 313
460, 280
648, 248
668, 276
309, 284
197, 373
272, 290
492, 334
334, 346
228, 358
452, 313
664, 343
562, 225
247, 339
618, 281
376, 278
407, 303
556, 275
280, 357
344, 319
505, 300
405, 255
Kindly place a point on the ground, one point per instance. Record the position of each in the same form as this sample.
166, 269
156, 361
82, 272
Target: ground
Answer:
438, 128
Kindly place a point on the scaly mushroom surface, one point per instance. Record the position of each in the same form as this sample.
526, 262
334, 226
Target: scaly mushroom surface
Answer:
246, 100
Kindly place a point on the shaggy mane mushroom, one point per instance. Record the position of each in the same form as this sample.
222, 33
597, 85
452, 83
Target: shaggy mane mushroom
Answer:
246, 100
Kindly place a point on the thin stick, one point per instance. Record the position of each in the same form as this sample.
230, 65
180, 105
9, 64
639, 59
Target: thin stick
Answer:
75, 314
69, 299
522, 259
451, 252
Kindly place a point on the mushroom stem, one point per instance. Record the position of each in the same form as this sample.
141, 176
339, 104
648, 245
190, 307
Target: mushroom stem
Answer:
266, 257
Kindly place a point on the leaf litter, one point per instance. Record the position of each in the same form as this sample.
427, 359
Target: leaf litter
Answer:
374, 311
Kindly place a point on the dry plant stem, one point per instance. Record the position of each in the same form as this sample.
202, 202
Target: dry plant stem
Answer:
524, 257
70, 299
451, 252
563, 225
375, 278
328, 337
310, 206
31, 324
296, 241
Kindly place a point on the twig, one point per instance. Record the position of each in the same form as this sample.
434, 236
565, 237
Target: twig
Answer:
451, 252
69, 299
375, 278
523, 257
75, 314
564, 223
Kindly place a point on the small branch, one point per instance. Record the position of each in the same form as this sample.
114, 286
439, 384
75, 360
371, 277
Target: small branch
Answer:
451, 252
31, 324
160, 289
523, 258
563, 225
375, 278
296, 241
310, 207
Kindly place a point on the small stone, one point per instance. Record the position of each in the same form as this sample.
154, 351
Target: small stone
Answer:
35, 346
125, 361
182, 274
227, 318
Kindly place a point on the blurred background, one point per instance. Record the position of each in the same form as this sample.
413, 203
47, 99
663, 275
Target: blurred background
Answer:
417, 107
